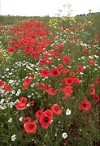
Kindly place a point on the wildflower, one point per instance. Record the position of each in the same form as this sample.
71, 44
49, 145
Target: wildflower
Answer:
2, 100
67, 60
65, 71
77, 81
68, 90
80, 68
31, 103
64, 135
21, 104
64, 98
11, 104
56, 109
85, 105
96, 56
41, 86
96, 98
27, 119
81, 73
68, 81
7, 87
45, 72
91, 62
10, 120
38, 114
21, 118
27, 81
60, 65
51, 91
18, 92
13, 91
60, 46
55, 72
72, 74
30, 127
11, 81
7, 69
11, 49
3, 106
86, 51
92, 91
13, 137
68, 112
97, 81
55, 134
42, 62
1, 83
46, 118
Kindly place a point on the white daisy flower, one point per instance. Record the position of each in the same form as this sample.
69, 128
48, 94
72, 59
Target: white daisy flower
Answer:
10, 120
68, 112
21, 118
64, 135
13, 137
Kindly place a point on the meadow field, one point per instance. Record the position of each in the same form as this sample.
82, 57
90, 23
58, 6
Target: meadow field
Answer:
50, 81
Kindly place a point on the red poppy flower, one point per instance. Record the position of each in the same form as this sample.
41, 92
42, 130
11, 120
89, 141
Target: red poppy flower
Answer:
31, 103
49, 113
7, 87
31, 75
76, 80
96, 98
65, 71
64, 98
41, 86
56, 109
11, 49
72, 74
59, 46
60, 65
68, 81
97, 80
67, 60
91, 62
55, 54
27, 81
46, 118
49, 61
38, 114
27, 34
80, 68
85, 105
92, 91
51, 91
27, 119
85, 51
68, 90
2, 83
55, 72
42, 62
45, 72
30, 127
21, 104
23, 100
